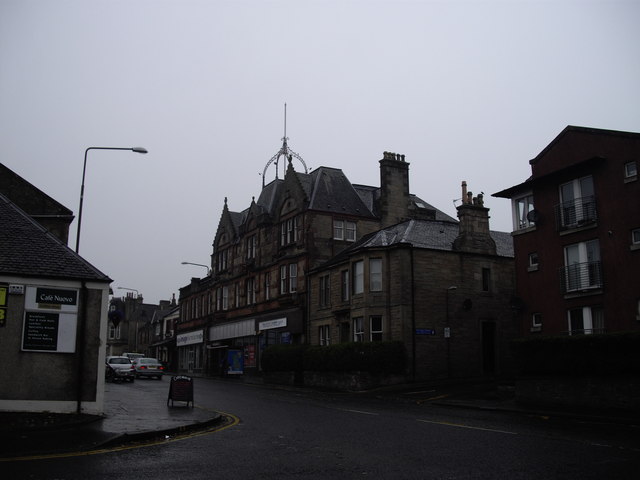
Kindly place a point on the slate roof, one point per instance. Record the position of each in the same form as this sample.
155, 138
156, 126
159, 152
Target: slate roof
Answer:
427, 234
27, 249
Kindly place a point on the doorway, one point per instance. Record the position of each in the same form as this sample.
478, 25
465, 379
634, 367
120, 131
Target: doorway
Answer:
489, 347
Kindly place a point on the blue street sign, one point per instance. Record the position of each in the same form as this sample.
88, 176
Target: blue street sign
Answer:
425, 331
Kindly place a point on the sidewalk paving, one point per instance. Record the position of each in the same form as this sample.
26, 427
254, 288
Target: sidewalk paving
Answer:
129, 416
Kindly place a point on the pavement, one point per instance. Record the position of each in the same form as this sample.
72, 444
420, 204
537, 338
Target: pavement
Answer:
132, 417
129, 416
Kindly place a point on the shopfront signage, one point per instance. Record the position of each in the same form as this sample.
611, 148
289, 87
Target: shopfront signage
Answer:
269, 324
3, 304
184, 339
50, 319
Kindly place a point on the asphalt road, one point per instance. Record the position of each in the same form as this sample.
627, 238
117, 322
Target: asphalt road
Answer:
290, 434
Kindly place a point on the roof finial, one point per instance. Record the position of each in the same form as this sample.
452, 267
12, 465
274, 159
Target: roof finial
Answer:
284, 151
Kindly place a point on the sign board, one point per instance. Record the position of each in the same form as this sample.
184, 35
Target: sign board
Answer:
425, 331
269, 324
235, 362
50, 320
3, 304
181, 389
184, 339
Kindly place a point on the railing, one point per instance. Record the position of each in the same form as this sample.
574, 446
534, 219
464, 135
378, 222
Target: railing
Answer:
576, 213
581, 276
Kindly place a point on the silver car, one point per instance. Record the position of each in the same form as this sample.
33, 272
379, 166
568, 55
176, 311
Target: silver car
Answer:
118, 369
148, 367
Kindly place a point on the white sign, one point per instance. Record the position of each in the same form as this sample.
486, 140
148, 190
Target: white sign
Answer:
50, 319
269, 324
190, 338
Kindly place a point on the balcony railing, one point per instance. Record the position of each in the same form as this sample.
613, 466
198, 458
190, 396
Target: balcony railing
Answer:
581, 276
576, 213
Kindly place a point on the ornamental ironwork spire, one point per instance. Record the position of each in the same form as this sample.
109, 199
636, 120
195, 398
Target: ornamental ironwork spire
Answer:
284, 152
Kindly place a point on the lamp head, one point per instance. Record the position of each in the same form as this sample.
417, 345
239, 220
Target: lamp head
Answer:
139, 150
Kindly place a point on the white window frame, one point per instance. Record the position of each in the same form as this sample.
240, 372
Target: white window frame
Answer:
283, 279
358, 277
536, 319
338, 229
267, 286
635, 236
225, 297
324, 333
375, 332
251, 290
521, 207
590, 320
630, 170
345, 285
350, 231
324, 291
251, 247
375, 274
587, 252
236, 294
358, 329
293, 277
579, 213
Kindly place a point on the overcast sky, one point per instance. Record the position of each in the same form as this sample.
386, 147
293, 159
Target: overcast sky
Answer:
466, 90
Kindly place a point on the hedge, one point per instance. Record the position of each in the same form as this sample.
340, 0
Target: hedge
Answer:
374, 357
607, 354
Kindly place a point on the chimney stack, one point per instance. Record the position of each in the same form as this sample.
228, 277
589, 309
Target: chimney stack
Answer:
393, 204
474, 235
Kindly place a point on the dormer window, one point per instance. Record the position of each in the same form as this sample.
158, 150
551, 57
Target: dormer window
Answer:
343, 230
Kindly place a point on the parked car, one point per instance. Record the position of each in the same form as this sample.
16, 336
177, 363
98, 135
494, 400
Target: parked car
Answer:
119, 369
132, 356
148, 367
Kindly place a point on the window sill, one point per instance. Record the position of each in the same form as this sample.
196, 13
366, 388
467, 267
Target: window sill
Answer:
583, 293
532, 268
631, 179
634, 247
536, 328
579, 228
522, 231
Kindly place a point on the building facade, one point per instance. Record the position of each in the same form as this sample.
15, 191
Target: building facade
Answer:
441, 287
261, 290
576, 235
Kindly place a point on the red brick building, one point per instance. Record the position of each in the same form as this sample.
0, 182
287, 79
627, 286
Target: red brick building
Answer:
577, 235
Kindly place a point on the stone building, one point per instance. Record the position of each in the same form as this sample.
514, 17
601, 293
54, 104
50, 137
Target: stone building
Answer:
441, 287
257, 292
260, 291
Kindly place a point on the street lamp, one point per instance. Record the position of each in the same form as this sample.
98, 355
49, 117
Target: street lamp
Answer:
199, 265
447, 332
84, 170
130, 289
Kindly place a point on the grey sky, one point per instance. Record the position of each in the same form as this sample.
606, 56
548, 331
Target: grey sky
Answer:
466, 90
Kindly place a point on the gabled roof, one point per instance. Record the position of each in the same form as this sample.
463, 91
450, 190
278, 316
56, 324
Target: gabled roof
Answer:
27, 249
29, 198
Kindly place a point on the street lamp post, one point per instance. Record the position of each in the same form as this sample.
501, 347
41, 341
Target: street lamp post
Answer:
448, 329
84, 170
199, 265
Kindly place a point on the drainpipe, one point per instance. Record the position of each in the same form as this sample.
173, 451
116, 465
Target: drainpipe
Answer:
413, 318
80, 343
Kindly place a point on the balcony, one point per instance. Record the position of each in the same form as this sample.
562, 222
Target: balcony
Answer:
581, 277
577, 213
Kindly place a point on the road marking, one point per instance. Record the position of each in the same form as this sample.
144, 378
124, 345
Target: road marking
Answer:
357, 411
229, 421
460, 425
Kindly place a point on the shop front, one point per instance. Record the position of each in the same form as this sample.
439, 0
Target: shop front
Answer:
190, 351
